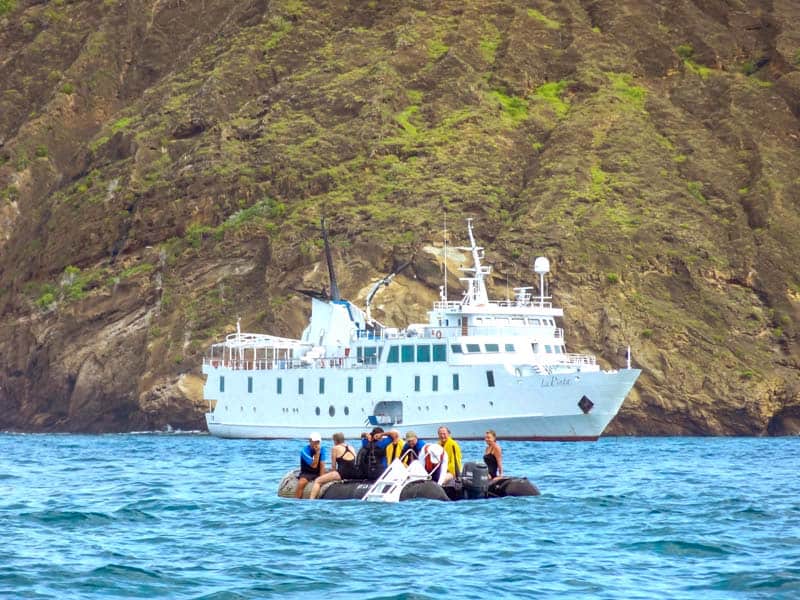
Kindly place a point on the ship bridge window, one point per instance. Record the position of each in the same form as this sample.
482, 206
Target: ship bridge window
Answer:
221, 383
407, 353
492, 348
424, 353
455, 348
490, 378
439, 353
535, 322
394, 354
518, 322
472, 348
510, 348
370, 355
535, 347
548, 349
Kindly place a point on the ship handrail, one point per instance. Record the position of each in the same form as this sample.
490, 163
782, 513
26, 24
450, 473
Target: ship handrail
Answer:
327, 362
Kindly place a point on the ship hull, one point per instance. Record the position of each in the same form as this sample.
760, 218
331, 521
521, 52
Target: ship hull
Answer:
517, 407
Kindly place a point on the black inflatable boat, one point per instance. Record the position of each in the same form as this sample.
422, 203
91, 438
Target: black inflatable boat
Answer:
473, 485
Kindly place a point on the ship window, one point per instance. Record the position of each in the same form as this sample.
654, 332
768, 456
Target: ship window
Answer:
535, 322
455, 348
447, 322
455, 381
535, 347
360, 354
490, 378
279, 384
346, 411
424, 353
407, 354
318, 411
509, 347
331, 410
370, 355
435, 383
473, 348
518, 321
416, 383
321, 385
492, 348
548, 349
557, 349
349, 385
388, 383
249, 385
221, 383
439, 353
369, 384
394, 354
478, 320
300, 386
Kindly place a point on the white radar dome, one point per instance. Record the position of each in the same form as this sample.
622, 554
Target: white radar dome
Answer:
541, 265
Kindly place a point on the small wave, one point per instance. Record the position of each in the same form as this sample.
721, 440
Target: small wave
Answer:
680, 548
51, 517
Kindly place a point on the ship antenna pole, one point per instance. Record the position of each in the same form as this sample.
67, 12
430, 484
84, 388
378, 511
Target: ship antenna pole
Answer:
445, 255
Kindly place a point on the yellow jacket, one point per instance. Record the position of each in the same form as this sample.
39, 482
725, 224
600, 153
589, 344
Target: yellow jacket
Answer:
394, 450
453, 456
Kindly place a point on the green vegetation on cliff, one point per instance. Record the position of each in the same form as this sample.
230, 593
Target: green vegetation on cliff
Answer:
163, 171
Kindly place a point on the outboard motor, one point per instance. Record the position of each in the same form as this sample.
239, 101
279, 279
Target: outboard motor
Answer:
475, 477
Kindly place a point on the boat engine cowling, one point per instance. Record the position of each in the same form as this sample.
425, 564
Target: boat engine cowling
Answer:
475, 477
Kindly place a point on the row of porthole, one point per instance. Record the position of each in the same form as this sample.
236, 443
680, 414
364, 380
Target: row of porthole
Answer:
332, 410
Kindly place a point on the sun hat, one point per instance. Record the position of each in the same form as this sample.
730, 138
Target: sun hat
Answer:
315, 437
410, 434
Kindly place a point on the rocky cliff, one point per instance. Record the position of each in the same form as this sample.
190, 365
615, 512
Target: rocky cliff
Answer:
164, 165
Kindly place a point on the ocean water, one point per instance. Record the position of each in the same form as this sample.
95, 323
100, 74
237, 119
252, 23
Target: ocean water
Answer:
191, 516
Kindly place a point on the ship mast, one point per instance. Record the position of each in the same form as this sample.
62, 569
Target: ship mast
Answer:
476, 287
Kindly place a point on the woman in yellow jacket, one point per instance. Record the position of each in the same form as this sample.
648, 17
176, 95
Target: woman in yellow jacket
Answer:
453, 451
395, 448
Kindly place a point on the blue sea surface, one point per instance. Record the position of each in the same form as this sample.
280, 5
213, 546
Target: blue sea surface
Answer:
191, 516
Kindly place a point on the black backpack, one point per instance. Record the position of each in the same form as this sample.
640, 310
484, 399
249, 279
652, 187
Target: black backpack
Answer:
368, 462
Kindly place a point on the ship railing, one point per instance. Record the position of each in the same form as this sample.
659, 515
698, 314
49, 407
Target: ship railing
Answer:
579, 359
328, 362
501, 330
452, 305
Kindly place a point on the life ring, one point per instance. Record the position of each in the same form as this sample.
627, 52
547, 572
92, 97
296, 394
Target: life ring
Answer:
438, 334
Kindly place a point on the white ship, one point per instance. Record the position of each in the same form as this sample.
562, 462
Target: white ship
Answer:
477, 364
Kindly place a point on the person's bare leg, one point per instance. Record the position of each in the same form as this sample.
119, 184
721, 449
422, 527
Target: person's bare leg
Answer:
301, 485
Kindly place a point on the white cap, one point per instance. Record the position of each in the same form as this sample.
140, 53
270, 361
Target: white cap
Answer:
315, 437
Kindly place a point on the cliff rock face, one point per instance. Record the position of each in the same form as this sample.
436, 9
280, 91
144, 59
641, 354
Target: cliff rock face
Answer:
164, 164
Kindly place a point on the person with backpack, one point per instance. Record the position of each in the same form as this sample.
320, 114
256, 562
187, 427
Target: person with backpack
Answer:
372, 456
